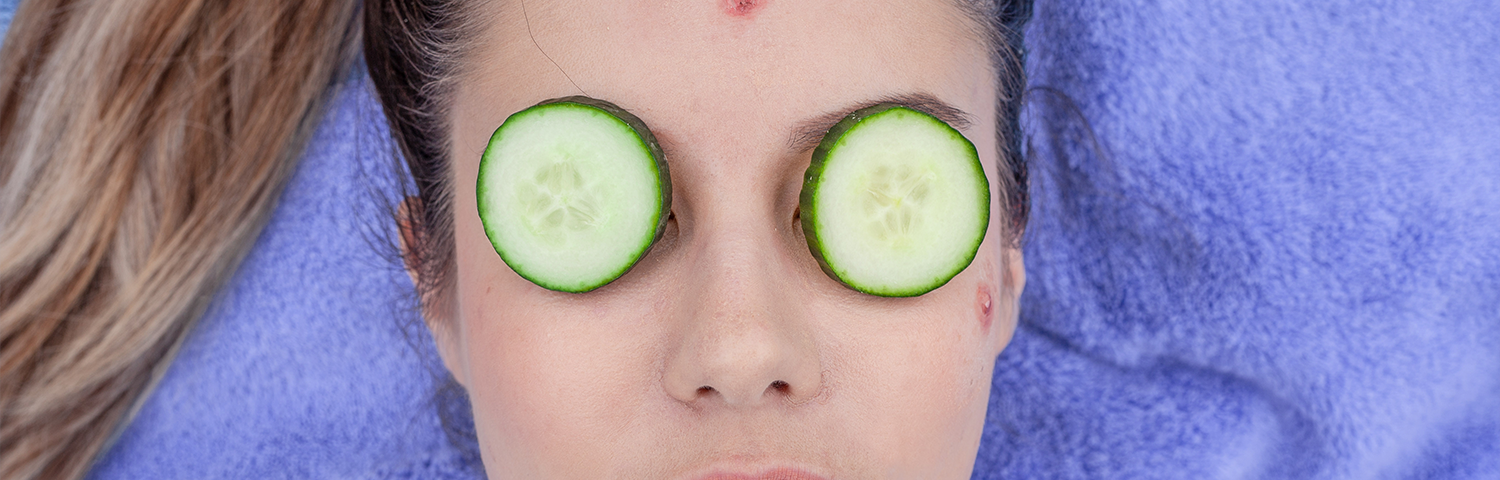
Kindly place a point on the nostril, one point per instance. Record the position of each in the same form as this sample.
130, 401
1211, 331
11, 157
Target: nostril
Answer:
705, 390
781, 387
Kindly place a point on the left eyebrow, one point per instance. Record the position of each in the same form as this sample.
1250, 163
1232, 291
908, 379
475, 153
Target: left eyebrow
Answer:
808, 133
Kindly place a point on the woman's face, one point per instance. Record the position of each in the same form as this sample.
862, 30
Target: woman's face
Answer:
726, 352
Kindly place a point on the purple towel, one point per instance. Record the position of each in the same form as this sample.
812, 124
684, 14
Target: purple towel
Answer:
1279, 255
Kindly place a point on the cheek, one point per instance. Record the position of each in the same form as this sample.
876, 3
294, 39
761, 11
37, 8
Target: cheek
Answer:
940, 389
556, 382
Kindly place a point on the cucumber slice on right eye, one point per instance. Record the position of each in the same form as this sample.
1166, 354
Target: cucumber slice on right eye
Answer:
895, 202
573, 192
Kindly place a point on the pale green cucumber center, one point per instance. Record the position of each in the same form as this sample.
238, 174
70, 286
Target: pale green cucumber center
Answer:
902, 204
570, 196
892, 201
558, 202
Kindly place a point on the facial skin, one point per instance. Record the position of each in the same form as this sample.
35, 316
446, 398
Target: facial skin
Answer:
726, 351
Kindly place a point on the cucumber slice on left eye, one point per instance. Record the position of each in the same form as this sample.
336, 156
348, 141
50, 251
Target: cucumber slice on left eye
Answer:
573, 192
895, 202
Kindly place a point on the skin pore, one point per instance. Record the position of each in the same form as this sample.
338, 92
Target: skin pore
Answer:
727, 352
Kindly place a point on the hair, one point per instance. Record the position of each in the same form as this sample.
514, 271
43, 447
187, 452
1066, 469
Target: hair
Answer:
143, 145
1003, 23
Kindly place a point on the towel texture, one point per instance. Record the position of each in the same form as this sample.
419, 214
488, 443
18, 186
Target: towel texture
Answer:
1265, 245
1281, 259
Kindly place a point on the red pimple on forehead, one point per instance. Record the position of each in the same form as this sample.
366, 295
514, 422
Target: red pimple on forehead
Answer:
742, 8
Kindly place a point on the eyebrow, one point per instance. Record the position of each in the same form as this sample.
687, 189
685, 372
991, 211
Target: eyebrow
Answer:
809, 133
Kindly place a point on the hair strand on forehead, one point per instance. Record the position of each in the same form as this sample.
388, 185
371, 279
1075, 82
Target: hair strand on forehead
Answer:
527, 17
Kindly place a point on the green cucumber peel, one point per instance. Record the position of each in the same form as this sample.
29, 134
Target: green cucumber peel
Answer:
573, 192
885, 217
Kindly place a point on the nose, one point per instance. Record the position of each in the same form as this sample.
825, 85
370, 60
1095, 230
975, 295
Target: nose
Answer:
743, 339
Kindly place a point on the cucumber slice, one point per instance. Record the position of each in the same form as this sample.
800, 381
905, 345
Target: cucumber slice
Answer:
573, 192
895, 202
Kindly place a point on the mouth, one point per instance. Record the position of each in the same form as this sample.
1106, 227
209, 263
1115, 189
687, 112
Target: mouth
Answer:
772, 474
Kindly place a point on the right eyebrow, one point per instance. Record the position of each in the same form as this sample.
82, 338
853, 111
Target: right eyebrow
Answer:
809, 133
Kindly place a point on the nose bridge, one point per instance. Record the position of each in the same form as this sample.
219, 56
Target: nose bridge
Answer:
742, 338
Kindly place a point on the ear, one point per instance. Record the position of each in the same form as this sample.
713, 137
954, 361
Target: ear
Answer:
443, 327
1013, 281
1014, 272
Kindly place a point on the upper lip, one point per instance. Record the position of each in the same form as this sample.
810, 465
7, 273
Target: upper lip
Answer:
777, 473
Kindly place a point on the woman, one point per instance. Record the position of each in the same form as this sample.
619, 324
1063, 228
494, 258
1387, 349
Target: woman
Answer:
725, 352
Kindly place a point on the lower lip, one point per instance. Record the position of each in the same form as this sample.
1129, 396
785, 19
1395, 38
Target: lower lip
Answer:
777, 474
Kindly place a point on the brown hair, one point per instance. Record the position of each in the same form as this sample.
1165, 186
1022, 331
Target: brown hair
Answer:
413, 50
143, 145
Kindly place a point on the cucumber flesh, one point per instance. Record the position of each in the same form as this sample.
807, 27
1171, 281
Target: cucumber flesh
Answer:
895, 202
573, 192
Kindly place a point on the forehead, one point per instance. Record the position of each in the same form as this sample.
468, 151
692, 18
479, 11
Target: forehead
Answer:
723, 68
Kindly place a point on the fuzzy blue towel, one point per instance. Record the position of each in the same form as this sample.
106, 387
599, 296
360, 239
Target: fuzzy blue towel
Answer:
1281, 260
1277, 255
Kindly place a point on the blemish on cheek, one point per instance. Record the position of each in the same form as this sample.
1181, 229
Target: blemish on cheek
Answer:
742, 8
984, 305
